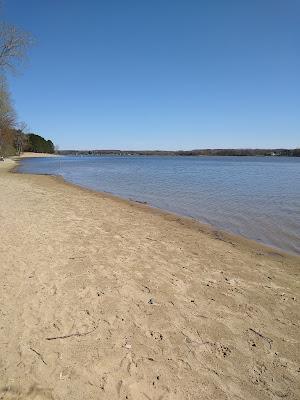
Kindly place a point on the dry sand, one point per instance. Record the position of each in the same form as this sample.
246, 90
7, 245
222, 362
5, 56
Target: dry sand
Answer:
107, 299
35, 155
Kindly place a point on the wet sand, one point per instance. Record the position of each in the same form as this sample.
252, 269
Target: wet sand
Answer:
103, 298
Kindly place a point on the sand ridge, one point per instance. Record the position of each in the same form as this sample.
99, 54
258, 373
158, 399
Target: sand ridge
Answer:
105, 299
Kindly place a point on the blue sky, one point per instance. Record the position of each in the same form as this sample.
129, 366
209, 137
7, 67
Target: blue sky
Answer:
160, 74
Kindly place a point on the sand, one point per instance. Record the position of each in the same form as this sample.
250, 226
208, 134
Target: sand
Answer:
37, 155
103, 298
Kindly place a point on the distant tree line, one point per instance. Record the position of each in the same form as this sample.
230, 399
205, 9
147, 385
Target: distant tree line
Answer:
13, 135
205, 152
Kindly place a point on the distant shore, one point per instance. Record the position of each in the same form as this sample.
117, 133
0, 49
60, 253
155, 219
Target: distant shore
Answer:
103, 295
189, 153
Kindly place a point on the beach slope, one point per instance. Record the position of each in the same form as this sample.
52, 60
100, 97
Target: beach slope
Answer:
107, 299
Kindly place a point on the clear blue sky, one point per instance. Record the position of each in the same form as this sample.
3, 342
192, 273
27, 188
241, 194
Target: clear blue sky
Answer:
160, 74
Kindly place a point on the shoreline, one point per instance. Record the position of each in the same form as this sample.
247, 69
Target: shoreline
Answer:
208, 228
105, 297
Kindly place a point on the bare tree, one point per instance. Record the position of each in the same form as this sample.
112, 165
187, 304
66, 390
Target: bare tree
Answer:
21, 139
22, 126
14, 44
7, 113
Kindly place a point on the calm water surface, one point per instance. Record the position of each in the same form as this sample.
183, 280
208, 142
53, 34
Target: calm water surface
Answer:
257, 197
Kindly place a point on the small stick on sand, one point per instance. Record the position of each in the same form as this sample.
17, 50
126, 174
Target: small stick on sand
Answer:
39, 354
70, 335
270, 341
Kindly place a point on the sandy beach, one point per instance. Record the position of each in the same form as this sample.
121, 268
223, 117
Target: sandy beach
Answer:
103, 298
37, 155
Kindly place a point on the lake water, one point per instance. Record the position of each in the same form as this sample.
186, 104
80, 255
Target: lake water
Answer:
257, 197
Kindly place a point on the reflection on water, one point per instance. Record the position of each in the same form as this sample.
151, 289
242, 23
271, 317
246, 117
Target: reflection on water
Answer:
258, 197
